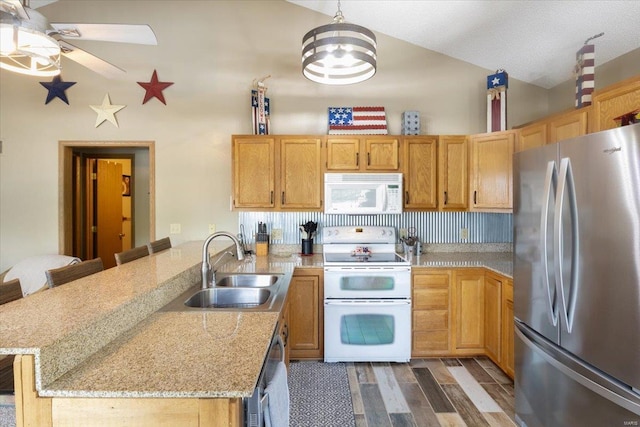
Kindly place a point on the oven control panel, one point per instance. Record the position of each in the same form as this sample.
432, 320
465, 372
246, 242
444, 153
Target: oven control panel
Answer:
358, 234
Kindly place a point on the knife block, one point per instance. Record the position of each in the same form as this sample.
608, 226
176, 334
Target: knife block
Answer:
262, 244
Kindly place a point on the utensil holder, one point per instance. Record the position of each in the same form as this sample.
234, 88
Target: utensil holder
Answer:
307, 246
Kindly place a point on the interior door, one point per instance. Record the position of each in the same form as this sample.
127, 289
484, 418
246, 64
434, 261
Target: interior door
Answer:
108, 213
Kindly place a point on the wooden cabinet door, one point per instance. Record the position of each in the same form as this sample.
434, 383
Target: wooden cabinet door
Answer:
283, 330
492, 172
614, 101
431, 299
306, 310
492, 317
508, 361
419, 168
300, 173
343, 154
253, 172
568, 125
532, 136
469, 311
382, 153
453, 178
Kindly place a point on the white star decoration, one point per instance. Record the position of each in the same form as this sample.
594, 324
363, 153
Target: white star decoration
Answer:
106, 111
495, 81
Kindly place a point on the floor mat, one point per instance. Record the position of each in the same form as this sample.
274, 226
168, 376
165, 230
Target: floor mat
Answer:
319, 395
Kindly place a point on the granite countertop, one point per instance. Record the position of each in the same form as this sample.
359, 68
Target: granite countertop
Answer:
104, 335
500, 262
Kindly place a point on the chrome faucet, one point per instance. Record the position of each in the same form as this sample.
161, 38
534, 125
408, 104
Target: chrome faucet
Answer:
207, 269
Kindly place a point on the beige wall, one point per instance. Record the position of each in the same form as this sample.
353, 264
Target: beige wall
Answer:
212, 51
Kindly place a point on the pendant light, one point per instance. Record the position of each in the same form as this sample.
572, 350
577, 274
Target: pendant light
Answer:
339, 53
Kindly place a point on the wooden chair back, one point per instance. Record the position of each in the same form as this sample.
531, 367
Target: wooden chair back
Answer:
10, 291
131, 254
62, 275
159, 245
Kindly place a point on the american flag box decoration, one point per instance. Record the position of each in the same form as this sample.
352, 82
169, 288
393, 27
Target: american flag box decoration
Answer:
497, 85
585, 72
260, 111
357, 121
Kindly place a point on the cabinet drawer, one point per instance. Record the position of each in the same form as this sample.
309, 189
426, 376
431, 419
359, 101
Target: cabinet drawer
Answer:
427, 320
431, 341
431, 298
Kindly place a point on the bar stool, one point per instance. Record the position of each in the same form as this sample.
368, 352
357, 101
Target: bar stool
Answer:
62, 275
159, 245
131, 254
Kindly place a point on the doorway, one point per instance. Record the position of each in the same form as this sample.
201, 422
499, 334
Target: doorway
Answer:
107, 197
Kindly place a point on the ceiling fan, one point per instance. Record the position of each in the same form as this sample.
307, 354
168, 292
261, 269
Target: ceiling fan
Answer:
30, 45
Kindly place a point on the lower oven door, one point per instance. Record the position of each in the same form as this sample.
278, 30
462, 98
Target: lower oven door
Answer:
367, 330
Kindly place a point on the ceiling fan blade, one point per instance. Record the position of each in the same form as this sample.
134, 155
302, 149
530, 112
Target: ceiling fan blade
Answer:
90, 61
15, 7
121, 33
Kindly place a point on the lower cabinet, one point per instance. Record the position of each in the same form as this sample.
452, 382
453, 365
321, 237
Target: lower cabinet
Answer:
283, 330
306, 314
492, 316
431, 313
463, 312
507, 359
469, 311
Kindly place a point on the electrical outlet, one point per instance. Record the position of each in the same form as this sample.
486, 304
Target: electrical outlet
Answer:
212, 228
276, 234
174, 229
464, 233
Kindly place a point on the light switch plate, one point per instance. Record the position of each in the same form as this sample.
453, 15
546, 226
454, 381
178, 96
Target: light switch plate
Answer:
174, 229
212, 228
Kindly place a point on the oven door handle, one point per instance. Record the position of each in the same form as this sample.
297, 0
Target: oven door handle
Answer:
359, 303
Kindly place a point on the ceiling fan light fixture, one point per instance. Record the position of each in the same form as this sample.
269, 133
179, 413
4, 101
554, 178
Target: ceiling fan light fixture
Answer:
339, 53
28, 51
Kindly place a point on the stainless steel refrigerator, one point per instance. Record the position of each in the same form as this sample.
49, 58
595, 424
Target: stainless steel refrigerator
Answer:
577, 281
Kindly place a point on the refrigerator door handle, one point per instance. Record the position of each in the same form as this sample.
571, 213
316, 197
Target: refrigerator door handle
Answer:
550, 181
566, 188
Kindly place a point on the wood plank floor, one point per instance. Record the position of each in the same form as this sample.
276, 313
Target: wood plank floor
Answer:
431, 392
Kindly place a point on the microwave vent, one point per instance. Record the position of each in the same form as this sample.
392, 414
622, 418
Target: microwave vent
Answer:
363, 177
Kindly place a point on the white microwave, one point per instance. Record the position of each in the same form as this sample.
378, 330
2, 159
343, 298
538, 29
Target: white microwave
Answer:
363, 193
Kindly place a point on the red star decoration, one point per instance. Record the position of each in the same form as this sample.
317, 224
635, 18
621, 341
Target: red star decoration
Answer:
154, 88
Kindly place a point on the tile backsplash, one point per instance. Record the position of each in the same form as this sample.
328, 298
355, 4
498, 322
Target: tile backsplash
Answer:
431, 227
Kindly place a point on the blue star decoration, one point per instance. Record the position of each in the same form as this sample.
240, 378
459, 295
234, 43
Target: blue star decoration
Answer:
57, 88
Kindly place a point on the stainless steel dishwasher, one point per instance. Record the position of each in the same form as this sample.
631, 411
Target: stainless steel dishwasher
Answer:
256, 405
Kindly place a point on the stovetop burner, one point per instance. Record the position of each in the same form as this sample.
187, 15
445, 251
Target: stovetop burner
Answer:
373, 246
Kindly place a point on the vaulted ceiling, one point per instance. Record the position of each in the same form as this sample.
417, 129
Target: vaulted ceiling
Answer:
533, 40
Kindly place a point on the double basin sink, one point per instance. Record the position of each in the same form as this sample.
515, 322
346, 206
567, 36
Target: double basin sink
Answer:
236, 292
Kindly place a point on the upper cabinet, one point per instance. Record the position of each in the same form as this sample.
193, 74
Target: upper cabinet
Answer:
254, 171
281, 172
453, 166
491, 172
565, 125
613, 102
364, 153
419, 159
435, 172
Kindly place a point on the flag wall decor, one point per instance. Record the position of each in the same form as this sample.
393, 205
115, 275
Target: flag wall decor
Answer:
497, 85
357, 121
585, 74
260, 111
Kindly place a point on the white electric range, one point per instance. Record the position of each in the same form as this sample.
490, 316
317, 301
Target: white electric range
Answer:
367, 296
